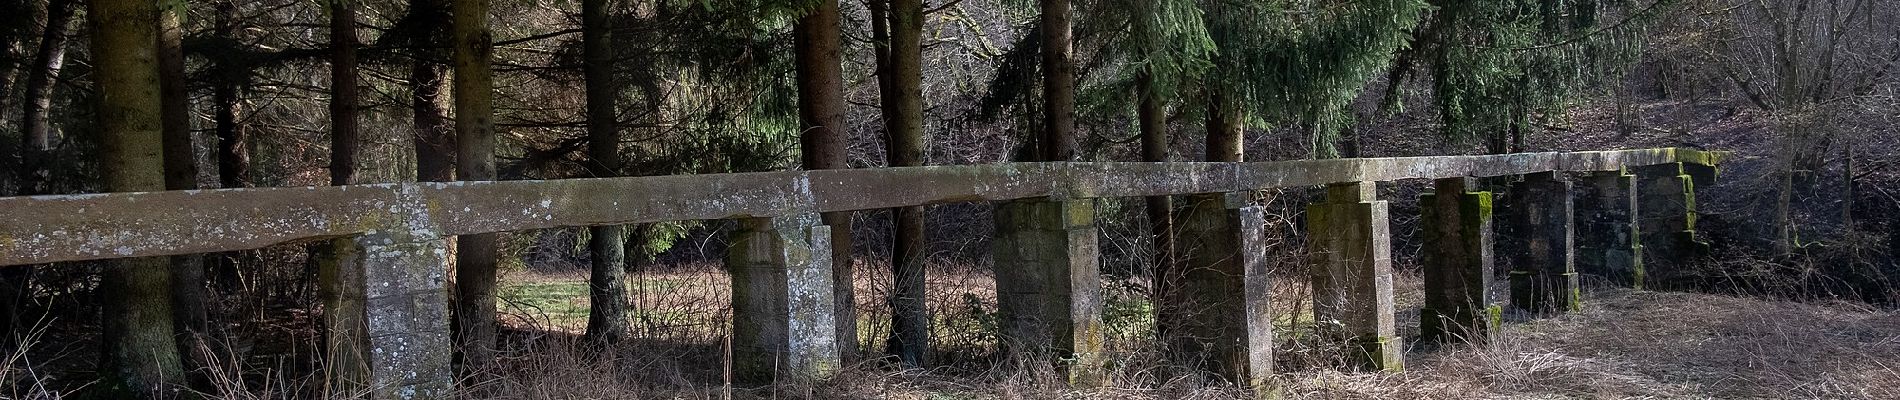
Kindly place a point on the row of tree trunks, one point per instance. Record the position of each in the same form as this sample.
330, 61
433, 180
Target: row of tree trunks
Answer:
475, 151
821, 110
140, 355
904, 123
607, 286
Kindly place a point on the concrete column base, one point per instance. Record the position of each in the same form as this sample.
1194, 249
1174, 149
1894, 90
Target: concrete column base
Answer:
782, 321
1458, 263
1203, 323
1048, 284
1606, 210
1350, 245
387, 315
1544, 276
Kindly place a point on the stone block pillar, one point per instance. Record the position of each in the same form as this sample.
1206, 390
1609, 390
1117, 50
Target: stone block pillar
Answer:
1544, 274
1607, 228
1203, 322
1350, 245
1048, 284
386, 315
1666, 216
1457, 257
782, 321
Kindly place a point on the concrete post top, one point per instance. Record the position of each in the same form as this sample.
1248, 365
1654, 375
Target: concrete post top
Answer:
1352, 192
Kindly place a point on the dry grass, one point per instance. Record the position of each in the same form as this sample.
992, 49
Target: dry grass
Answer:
1626, 344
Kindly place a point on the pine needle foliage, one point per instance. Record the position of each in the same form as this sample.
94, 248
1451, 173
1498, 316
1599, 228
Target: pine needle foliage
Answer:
1302, 62
1495, 64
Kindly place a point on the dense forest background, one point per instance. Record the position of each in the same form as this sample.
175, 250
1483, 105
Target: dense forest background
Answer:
1804, 92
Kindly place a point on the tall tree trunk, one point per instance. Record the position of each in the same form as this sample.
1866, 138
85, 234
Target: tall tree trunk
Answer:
1058, 83
821, 110
139, 355
35, 126
35, 154
607, 286
234, 153
344, 134
16, 30
1225, 128
475, 161
189, 303
343, 327
428, 80
1152, 114
904, 121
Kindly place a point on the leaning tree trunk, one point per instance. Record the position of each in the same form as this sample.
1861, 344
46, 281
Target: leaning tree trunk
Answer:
36, 153
607, 286
904, 103
189, 302
821, 110
475, 161
139, 355
1058, 83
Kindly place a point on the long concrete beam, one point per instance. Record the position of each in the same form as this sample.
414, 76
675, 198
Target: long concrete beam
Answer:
43, 229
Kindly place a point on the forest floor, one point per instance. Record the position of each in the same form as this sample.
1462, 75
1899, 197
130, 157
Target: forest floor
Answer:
1624, 344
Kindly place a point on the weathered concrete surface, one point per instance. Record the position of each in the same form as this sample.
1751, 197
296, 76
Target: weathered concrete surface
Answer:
1606, 207
1048, 284
1350, 252
1544, 274
1458, 263
1202, 322
388, 306
782, 321
86, 227
1666, 216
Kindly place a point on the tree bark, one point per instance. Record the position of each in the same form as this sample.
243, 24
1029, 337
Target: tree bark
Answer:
36, 155
1058, 83
904, 121
189, 302
821, 110
1152, 114
428, 79
475, 161
139, 355
607, 286
234, 154
35, 171
1225, 128
344, 134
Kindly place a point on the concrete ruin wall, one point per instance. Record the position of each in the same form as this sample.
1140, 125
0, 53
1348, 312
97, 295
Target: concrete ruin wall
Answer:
384, 271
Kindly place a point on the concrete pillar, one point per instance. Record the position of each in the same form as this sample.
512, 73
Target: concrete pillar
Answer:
1048, 284
1666, 214
387, 315
1203, 323
1607, 228
782, 321
1457, 258
1544, 274
1350, 241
